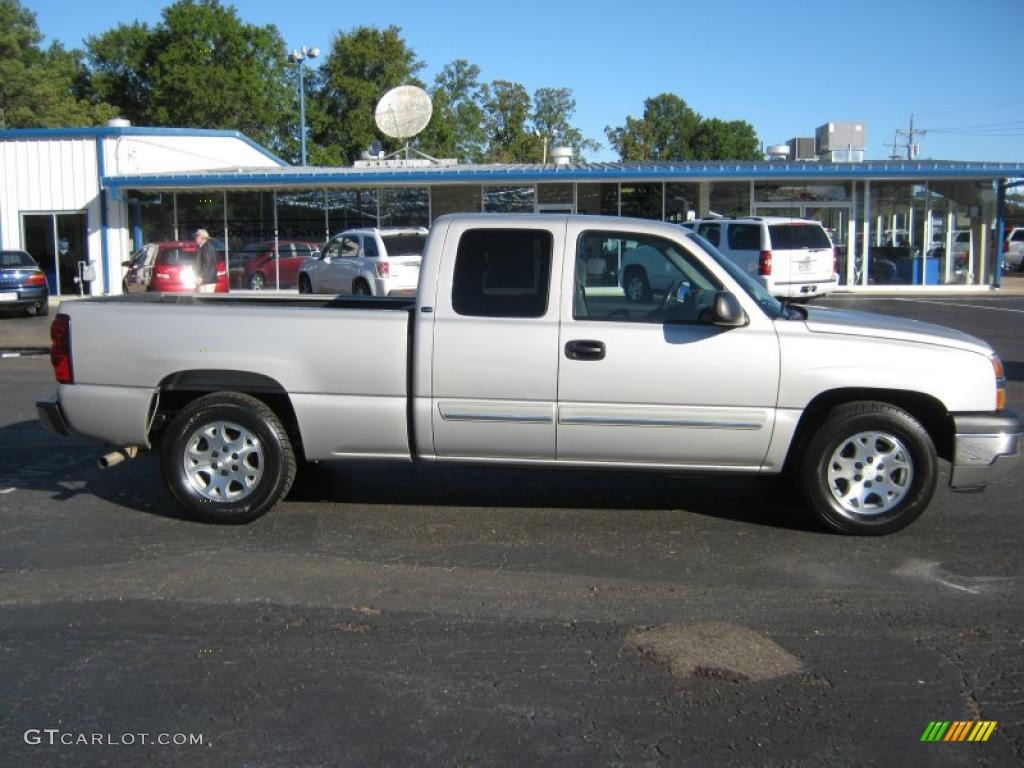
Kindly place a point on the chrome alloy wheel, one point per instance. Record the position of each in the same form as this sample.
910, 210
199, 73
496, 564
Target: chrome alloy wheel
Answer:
223, 461
870, 473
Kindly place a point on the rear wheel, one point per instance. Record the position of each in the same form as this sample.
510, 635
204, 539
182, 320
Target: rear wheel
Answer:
257, 282
870, 469
226, 458
361, 288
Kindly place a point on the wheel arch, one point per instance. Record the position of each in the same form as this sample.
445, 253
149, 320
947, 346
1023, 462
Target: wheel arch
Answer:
928, 410
179, 389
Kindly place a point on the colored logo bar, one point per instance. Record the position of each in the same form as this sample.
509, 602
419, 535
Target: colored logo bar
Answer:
959, 730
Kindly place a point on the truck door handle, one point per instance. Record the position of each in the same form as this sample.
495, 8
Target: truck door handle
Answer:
584, 349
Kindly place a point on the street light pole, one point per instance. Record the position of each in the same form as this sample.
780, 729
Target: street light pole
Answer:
299, 57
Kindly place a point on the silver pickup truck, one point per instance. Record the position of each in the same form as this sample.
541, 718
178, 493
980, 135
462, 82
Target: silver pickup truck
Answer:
520, 348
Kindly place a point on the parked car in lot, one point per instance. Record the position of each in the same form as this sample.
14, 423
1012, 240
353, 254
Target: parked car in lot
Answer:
140, 269
792, 258
1013, 249
367, 262
22, 283
254, 266
169, 267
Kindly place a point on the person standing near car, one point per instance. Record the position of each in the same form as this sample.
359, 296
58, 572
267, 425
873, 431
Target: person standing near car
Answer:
206, 266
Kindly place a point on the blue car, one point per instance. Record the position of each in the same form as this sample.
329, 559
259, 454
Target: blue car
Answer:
23, 284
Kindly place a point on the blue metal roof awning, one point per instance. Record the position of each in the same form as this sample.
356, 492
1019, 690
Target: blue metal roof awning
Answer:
293, 177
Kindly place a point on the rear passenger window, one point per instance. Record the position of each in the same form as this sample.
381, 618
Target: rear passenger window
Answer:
502, 273
710, 232
744, 237
370, 248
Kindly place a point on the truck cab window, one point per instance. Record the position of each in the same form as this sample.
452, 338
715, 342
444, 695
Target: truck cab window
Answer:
639, 278
502, 273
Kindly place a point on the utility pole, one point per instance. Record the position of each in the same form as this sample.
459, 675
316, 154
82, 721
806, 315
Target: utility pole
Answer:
911, 147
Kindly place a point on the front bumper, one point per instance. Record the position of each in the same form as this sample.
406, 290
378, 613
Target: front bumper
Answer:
50, 414
985, 448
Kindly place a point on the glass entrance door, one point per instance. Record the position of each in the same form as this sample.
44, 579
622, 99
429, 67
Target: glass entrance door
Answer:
58, 242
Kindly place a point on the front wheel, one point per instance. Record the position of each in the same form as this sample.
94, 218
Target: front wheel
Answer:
226, 458
870, 469
305, 286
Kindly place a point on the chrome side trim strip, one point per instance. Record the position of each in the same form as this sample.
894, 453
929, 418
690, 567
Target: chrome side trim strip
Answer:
509, 413
612, 421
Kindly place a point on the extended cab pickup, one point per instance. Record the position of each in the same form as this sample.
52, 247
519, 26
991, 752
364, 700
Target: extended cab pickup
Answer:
515, 351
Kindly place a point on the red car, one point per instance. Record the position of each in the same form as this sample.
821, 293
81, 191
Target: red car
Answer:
258, 268
174, 268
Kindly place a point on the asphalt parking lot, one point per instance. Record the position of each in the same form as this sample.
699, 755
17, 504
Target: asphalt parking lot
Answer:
410, 615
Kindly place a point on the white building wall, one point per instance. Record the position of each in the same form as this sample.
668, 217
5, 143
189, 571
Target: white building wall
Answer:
61, 174
52, 176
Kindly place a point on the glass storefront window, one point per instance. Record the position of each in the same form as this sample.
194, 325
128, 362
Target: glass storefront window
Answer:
508, 199
404, 207
351, 208
730, 199
156, 215
561, 195
839, 192
598, 199
680, 201
454, 198
642, 201
201, 210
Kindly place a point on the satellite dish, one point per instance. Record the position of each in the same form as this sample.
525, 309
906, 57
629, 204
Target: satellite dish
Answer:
403, 112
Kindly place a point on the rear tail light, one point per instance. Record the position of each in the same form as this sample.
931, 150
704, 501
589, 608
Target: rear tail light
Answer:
383, 269
60, 349
764, 264
36, 278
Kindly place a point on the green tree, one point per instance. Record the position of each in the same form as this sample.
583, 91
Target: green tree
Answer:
506, 111
720, 140
120, 65
671, 130
553, 109
40, 89
360, 68
456, 128
199, 67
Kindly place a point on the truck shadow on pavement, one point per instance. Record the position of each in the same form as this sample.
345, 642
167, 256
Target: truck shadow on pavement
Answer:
66, 469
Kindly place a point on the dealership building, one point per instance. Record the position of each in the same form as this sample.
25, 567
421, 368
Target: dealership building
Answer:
82, 200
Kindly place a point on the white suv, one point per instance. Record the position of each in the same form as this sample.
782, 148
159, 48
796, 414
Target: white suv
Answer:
792, 258
1013, 249
367, 262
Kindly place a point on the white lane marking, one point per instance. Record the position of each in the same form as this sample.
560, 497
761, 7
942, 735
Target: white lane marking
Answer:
8, 490
965, 306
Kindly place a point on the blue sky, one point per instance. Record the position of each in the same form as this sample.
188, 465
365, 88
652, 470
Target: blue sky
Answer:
784, 67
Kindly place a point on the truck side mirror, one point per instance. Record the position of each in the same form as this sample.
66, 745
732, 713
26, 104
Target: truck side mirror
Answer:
728, 313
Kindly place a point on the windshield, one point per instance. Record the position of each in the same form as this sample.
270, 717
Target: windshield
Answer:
404, 245
768, 303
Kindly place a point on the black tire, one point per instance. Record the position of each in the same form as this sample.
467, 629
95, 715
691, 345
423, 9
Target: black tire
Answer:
254, 479
635, 285
257, 282
43, 309
360, 288
305, 286
863, 437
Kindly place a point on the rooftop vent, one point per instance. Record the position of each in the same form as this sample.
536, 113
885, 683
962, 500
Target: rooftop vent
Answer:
119, 122
561, 155
778, 152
